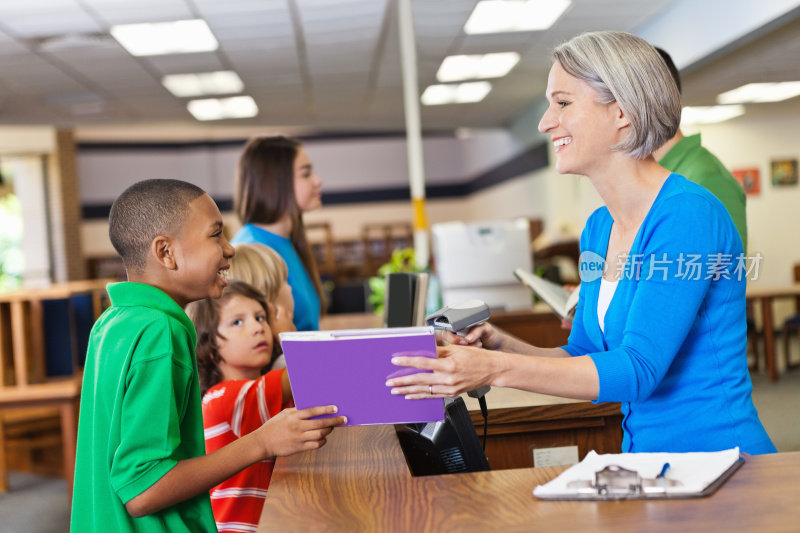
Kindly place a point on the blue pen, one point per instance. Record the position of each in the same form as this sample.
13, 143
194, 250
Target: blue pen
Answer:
663, 471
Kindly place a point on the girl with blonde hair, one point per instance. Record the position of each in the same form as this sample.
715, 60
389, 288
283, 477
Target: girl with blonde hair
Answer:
260, 266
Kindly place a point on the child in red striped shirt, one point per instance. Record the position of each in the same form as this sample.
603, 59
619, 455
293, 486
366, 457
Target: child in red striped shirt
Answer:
234, 344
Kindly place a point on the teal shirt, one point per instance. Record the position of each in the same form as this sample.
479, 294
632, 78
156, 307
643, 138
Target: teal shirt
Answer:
140, 414
306, 300
688, 158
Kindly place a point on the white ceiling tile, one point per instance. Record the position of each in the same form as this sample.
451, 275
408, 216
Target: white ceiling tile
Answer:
266, 66
214, 7
132, 12
275, 20
37, 9
57, 22
253, 33
282, 45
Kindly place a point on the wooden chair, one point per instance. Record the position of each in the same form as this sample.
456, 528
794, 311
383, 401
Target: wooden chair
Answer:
64, 395
380, 240
752, 337
34, 406
792, 324
320, 238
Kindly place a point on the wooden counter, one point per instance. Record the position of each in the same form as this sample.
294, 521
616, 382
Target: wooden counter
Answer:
536, 325
521, 422
359, 482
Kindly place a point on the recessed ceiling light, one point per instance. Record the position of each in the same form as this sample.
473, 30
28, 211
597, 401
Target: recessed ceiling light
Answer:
475, 67
710, 114
220, 82
457, 93
761, 92
159, 38
222, 108
498, 16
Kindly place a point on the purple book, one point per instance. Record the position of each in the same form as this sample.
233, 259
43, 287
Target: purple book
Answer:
349, 369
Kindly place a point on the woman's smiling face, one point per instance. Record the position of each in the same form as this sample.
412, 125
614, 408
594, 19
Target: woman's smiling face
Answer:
582, 129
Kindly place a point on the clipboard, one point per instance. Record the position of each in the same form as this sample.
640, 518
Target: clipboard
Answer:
696, 475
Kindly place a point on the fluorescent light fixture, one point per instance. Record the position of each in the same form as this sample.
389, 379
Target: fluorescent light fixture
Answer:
710, 114
159, 38
760, 92
458, 93
500, 16
476, 67
222, 108
220, 82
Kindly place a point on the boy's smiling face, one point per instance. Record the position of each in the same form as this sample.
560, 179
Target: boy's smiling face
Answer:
201, 254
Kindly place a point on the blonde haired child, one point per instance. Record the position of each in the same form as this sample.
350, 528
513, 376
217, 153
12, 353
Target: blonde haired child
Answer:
263, 268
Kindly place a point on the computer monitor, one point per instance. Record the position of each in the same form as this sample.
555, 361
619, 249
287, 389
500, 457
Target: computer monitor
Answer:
446, 447
477, 261
405, 299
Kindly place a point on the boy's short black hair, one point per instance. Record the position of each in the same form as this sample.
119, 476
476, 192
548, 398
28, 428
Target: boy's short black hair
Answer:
144, 211
671, 66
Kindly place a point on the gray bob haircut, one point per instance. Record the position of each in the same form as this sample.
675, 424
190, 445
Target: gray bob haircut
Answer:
627, 69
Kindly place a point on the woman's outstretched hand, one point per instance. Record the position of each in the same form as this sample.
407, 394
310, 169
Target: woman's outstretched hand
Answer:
483, 335
457, 369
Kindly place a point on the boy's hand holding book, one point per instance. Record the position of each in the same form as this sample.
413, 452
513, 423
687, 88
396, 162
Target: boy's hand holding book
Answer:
292, 430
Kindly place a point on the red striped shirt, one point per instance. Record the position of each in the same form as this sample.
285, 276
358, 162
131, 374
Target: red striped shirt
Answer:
232, 409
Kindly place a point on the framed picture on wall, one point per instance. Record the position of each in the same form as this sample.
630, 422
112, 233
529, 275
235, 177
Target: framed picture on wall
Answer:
749, 179
784, 172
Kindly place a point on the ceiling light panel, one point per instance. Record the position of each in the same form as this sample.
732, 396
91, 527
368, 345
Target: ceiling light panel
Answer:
457, 93
499, 16
220, 82
760, 92
159, 38
476, 67
222, 108
710, 114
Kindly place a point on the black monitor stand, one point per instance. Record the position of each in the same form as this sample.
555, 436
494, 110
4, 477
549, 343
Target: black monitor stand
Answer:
446, 447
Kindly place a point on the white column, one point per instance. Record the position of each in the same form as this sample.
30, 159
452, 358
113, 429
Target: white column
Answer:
416, 169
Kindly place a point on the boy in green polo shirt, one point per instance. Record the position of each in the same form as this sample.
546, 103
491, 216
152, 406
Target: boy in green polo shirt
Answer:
141, 463
687, 157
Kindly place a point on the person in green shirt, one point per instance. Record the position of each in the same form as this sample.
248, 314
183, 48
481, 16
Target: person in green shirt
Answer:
686, 156
141, 462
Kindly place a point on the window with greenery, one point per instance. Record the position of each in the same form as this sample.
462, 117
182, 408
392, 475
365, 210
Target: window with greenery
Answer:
11, 256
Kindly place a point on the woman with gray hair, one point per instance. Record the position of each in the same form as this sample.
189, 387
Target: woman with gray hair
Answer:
660, 324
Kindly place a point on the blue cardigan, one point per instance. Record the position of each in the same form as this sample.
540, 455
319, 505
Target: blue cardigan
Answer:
306, 300
674, 347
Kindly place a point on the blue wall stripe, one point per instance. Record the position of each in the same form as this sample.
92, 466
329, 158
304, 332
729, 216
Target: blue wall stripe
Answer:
530, 160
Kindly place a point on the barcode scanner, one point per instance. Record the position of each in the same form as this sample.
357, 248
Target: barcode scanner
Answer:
459, 318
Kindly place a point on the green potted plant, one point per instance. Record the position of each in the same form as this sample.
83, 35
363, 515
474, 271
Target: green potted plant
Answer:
402, 261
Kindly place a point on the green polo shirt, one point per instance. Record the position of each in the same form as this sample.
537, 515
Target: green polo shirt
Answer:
690, 159
140, 414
